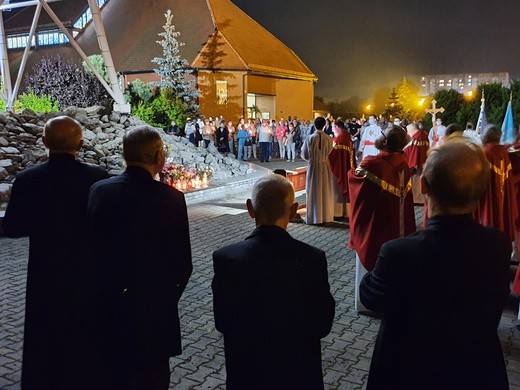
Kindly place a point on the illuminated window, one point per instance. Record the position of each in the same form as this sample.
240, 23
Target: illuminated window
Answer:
52, 37
86, 17
18, 41
221, 92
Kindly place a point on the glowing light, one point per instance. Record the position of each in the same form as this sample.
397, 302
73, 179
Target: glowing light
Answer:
421, 102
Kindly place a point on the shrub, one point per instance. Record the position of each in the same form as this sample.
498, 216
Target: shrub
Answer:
164, 108
138, 91
99, 63
36, 103
67, 83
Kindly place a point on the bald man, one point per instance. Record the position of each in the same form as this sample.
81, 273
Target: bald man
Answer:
272, 307
442, 289
48, 204
142, 251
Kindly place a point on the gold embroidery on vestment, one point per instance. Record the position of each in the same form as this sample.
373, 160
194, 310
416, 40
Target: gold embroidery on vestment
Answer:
361, 172
347, 148
502, 172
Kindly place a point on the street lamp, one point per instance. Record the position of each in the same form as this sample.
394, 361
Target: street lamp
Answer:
367, 111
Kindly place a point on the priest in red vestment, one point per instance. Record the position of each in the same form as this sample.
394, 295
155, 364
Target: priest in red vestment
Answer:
416, 152
381, 201
498, 207
514, 157
342, 160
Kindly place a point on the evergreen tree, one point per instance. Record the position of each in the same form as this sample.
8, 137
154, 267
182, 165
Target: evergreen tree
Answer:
452, 102
393, 107
514, 88
174, 70
408, 93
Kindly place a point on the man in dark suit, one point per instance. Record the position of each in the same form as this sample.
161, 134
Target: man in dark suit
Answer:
142, 247
49, 204
271, 298
442, 289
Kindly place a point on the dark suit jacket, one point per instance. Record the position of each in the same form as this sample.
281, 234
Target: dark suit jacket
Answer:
49, 204
272, 303
442, 291
142, 249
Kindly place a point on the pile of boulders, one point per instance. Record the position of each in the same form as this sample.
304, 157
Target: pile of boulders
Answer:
21, 145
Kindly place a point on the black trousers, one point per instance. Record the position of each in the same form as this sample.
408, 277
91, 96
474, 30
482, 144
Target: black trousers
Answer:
154, 377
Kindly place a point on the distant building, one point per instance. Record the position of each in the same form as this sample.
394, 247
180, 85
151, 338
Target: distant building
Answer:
320, 109
241, 69
461, 82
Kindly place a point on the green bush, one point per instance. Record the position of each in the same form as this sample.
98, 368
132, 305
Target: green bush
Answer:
31, 101
99, 64
138, 91
161, 110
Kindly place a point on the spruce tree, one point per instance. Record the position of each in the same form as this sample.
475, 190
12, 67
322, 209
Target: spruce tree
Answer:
393, 107
174, 70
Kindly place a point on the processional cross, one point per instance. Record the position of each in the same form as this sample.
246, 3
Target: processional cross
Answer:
434, 110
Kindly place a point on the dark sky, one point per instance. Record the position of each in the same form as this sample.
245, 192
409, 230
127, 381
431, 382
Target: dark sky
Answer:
357, 46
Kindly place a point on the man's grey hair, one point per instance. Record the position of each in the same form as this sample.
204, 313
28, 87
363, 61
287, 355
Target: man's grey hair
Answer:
412, 126
272, 197
141, 144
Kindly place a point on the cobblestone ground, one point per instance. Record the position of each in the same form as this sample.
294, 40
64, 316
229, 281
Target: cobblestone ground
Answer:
346, 351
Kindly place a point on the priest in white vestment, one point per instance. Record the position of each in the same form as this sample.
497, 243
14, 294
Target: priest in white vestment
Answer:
320, 198
368, 138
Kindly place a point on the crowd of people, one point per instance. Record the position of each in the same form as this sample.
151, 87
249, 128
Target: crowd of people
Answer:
103, 289
248, 138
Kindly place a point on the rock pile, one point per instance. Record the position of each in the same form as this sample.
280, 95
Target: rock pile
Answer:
21, 145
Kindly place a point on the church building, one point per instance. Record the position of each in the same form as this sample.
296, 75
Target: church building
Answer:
241, 69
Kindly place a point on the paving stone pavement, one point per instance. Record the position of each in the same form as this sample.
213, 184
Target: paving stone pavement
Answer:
346, 350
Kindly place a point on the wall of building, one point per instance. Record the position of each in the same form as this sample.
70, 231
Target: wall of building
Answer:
148, 77
212, 104
294, 97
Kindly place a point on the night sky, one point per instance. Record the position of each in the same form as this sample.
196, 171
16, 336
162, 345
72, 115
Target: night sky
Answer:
357, 46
